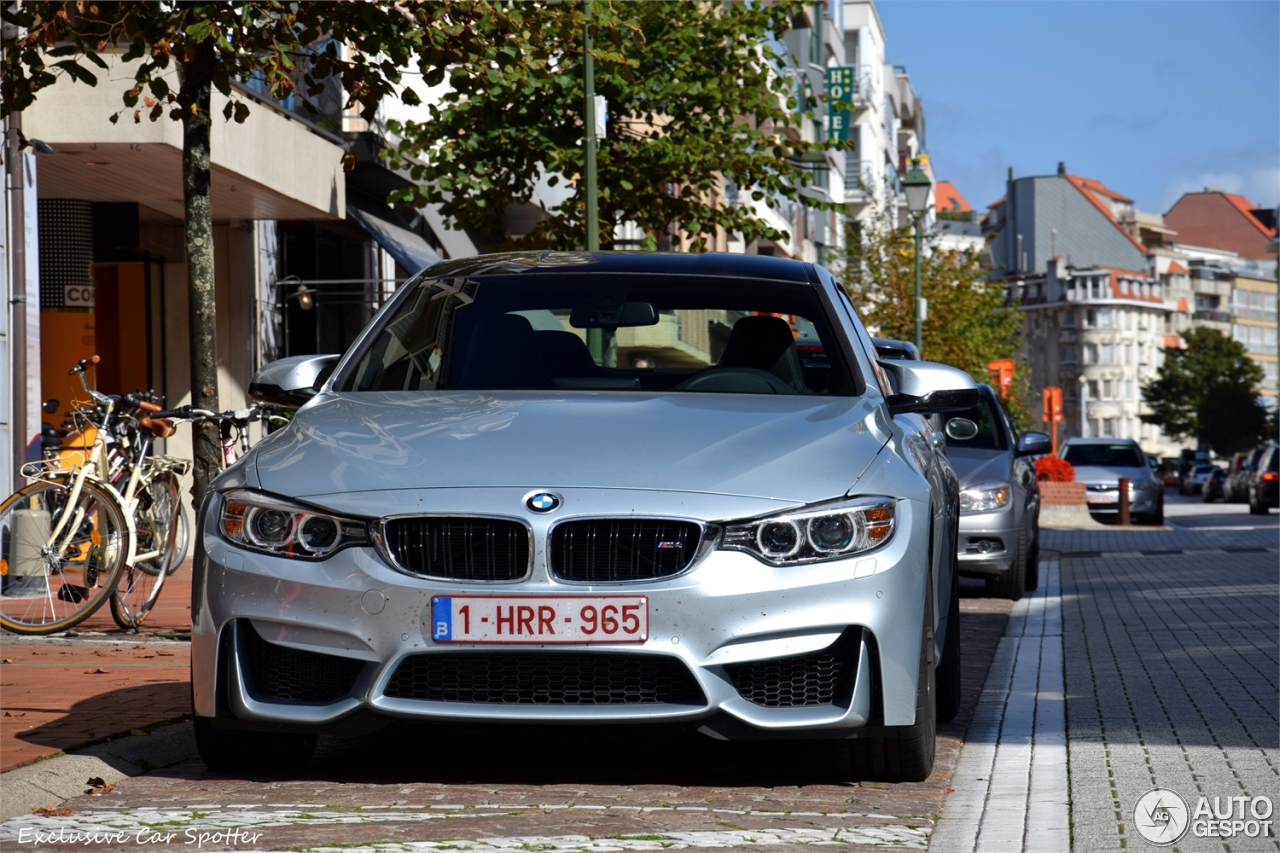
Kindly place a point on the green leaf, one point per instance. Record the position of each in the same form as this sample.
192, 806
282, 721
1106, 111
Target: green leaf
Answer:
77, 72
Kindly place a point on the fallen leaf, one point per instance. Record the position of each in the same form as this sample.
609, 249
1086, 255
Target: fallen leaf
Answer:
951, 790
145, 765
97, 786
139, 732
147, 657
98, 671
140, 646
7, 714
52, 811
7, 660
165, 654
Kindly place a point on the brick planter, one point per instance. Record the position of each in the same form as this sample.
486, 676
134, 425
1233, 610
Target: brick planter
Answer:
1062, 494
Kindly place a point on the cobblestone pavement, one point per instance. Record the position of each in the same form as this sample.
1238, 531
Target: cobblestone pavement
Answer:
1171, 675
507, 788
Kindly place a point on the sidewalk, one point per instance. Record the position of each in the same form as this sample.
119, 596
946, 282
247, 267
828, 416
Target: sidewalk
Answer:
64, 692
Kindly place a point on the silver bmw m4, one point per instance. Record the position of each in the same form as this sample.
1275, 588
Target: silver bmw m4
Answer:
590, 488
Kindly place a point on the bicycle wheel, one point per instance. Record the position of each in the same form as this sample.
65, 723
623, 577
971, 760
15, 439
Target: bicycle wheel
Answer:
155, 529
48, 582
182, 541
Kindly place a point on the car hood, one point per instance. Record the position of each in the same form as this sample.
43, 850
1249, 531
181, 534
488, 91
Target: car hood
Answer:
793, 448
1097, 475
974, 466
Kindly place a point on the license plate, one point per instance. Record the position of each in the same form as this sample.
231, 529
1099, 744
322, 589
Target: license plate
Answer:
559, 619
1101, 499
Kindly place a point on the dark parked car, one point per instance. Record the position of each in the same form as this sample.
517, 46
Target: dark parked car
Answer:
1236, 489
1193, 481
1263, 488
1212, 488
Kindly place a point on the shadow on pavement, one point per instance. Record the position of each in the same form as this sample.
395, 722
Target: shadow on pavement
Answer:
105, 715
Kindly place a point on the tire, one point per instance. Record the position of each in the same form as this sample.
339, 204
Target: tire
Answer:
237, 751
1256, 506
1156, 518
1032, 581
947, 678
1012, 583
73, 577
155, 523
182, 542
905, 753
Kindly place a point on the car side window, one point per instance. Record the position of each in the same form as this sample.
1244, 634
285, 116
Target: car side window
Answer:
990, 435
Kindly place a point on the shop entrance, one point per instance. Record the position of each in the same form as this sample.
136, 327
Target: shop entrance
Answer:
115, 324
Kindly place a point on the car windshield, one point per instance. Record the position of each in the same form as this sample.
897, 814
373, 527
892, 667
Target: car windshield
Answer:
1104, 455
617, 333
989, 437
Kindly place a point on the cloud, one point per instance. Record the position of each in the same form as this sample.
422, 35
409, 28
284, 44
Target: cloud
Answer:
1252, 172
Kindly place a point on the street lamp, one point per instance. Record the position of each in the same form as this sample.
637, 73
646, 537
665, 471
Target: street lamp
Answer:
1084, 406
916, 185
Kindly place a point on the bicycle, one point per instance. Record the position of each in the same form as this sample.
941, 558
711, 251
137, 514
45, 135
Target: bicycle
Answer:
64, 539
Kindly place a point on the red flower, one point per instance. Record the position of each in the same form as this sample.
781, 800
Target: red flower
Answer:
1054, 469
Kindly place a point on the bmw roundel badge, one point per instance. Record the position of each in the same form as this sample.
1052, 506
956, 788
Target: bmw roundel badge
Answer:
542, 502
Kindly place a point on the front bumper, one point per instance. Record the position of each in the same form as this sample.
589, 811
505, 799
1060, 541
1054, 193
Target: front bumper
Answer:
987, 542
1105, 501
727, 609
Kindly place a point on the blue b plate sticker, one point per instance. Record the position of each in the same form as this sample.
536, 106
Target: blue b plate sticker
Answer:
442, 619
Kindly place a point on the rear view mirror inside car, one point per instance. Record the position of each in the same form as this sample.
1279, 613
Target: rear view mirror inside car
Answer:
625, 314
961, 429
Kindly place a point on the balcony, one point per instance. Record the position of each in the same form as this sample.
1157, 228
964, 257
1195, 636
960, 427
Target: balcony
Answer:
1209, 315
859, 181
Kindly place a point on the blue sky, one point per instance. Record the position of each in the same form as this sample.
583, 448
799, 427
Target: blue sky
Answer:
1152, 98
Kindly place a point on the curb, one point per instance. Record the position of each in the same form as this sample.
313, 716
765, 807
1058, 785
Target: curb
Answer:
63, 777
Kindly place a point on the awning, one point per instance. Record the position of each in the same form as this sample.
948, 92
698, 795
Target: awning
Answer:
409, 249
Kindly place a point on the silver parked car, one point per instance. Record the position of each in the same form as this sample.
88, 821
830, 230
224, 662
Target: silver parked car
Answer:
1100, 463
590, 488
999, 496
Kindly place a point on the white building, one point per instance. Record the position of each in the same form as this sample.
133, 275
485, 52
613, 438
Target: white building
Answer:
1097, 333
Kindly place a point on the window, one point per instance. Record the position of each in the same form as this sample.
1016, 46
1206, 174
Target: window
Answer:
1104, 318
1106, 389
499, 331
1067, 355
1092, 393
1118, 455
1128, 389
1107, 354
1108, 428
1090, 318
1090, 354
990, 436
1069, 318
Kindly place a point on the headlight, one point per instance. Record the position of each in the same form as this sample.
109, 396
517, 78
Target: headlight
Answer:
827, 532
278, 527
985, 498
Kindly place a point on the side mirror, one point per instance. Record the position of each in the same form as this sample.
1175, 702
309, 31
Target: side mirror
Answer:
291, 382
1034, 444
928, 387
1153, 462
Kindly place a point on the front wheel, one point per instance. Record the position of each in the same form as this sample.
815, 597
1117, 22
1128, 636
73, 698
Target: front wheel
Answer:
1012, 583
947, 677
62, 549
906, 753
1256, 506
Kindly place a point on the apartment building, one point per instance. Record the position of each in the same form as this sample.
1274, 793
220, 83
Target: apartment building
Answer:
1097, 312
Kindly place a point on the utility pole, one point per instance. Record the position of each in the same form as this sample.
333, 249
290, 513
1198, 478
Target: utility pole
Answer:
589, 118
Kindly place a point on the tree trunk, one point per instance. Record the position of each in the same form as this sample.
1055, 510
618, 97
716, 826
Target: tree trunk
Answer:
194, 99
